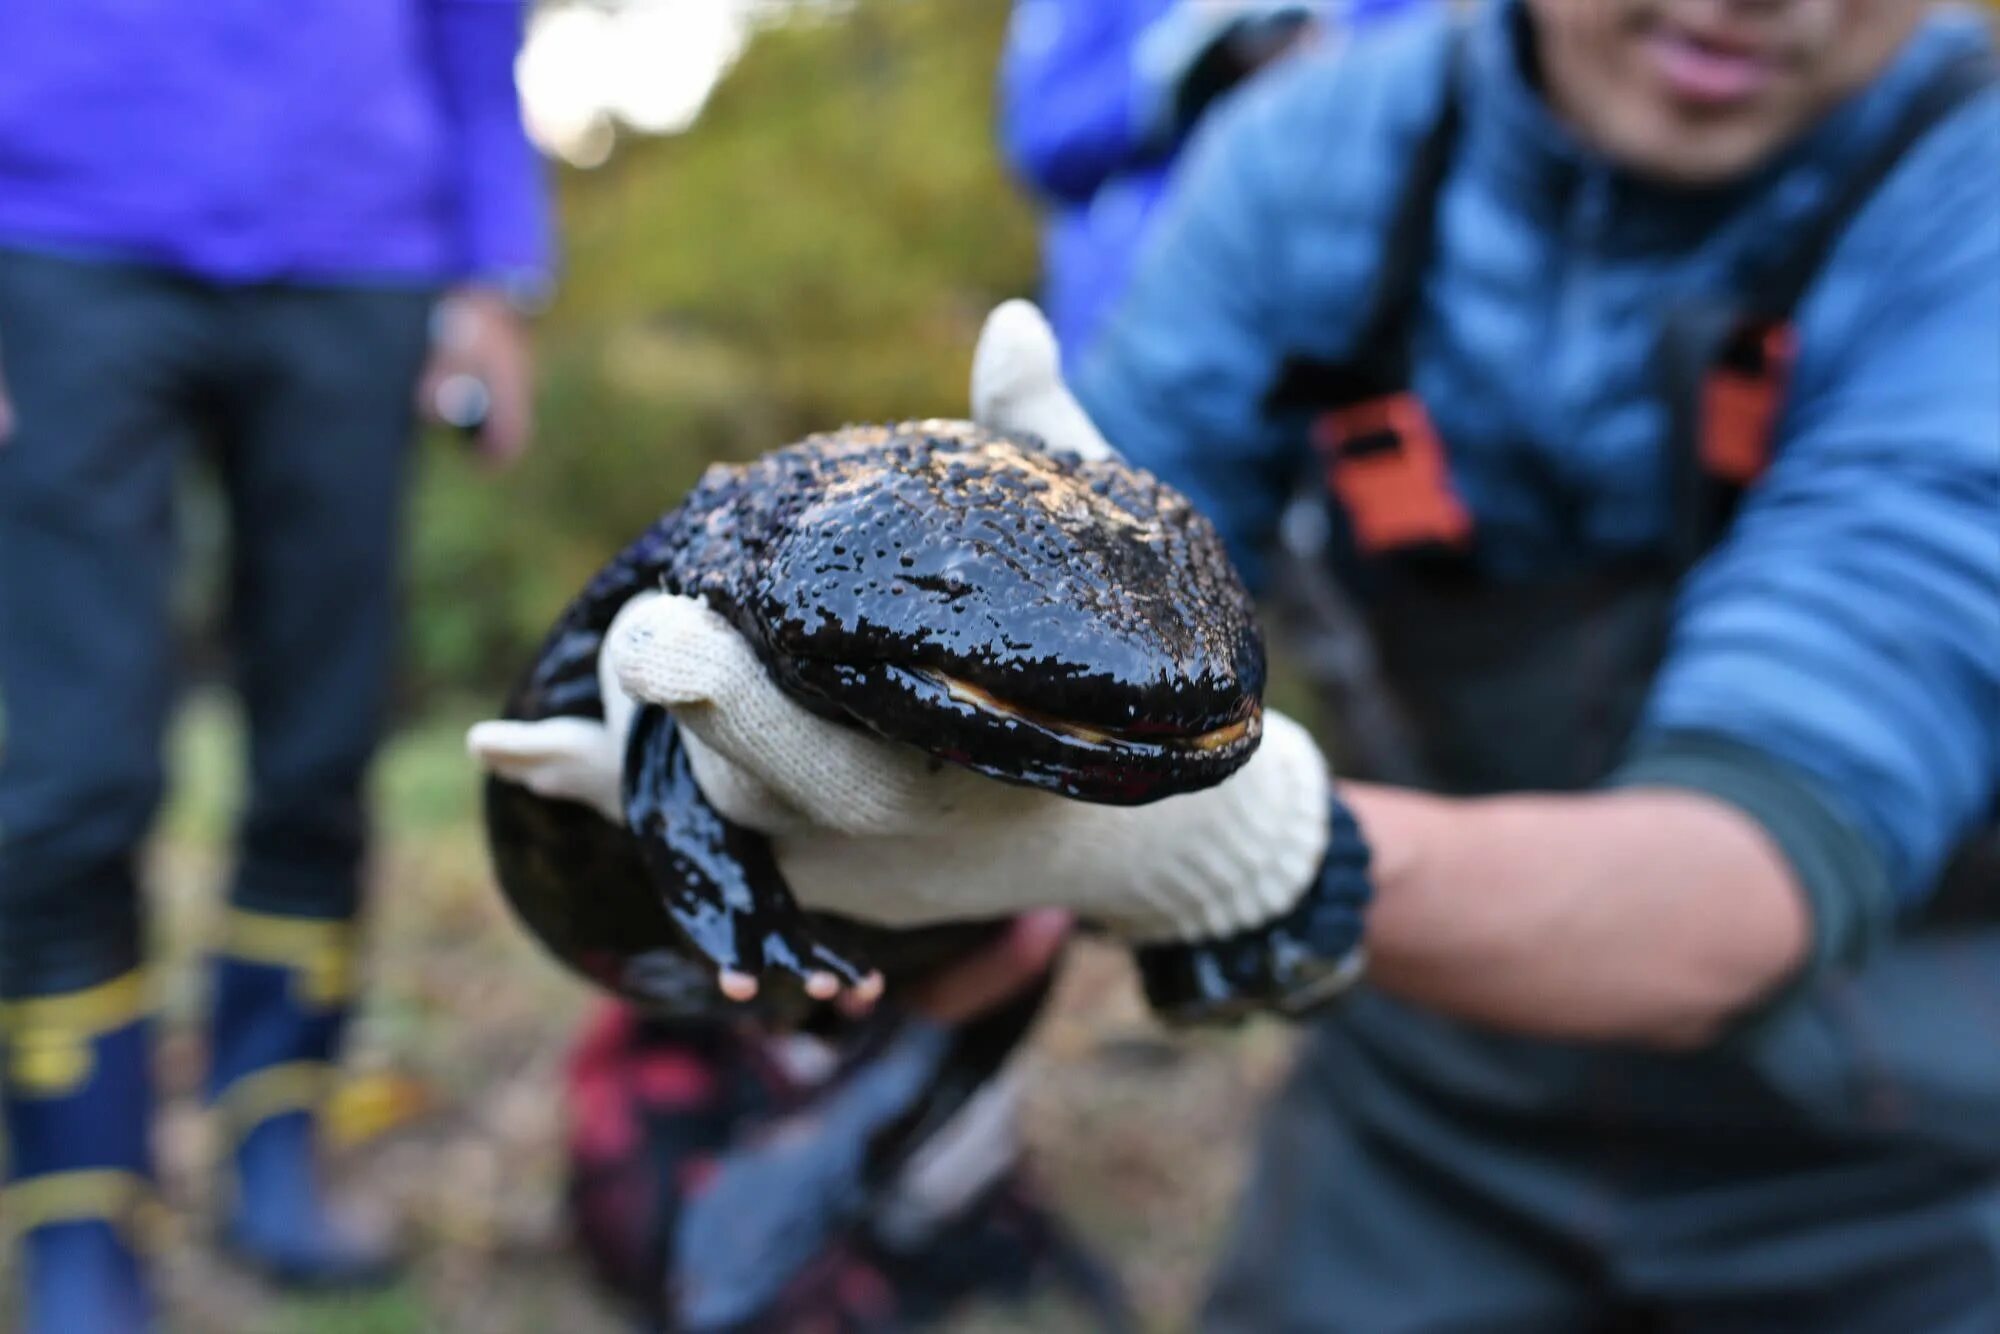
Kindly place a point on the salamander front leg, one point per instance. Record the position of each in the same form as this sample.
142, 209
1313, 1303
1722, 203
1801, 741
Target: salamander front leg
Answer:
720, 882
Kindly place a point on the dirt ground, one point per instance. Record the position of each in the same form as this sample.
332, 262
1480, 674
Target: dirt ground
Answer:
451, 1107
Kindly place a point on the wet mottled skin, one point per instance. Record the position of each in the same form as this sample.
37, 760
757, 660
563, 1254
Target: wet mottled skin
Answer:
1082, 592
1039, 618
873, 567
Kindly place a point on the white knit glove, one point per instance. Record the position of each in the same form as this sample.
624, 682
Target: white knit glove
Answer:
878, 831
874, 830
1017, 384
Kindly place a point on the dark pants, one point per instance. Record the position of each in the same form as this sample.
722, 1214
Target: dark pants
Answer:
1836, 1173
117, 374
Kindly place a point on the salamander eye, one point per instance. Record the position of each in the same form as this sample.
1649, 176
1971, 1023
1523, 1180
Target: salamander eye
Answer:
947, 585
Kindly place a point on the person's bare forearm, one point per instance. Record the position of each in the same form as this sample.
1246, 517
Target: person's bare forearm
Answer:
1648, 915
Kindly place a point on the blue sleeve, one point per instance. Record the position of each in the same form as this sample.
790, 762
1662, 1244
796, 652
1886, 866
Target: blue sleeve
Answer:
497, 178
1849, 627
1072, 103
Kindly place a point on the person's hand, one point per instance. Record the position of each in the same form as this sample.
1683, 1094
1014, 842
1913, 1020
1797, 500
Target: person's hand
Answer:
996, 974
6, 408
877, 831
480, 377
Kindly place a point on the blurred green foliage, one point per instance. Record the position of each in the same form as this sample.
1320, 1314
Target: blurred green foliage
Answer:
820, 248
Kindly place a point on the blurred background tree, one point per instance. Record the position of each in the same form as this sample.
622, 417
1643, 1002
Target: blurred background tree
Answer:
818, 249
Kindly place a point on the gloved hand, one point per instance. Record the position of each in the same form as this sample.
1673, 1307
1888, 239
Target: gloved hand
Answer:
878, 831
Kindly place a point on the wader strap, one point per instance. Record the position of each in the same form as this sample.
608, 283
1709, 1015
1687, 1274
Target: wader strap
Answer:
1965, 78
1727, 368
1386, 463
1380, 454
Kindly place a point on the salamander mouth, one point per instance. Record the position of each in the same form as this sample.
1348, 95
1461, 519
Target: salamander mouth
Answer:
1159, 754
1147, 740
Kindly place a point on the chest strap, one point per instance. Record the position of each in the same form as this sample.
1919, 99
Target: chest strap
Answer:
1725, 366
1379, 453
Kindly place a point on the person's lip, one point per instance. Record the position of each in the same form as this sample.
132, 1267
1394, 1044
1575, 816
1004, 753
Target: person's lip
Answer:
1708, 70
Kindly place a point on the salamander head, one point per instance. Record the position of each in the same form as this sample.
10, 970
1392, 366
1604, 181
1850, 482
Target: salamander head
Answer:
1071, 625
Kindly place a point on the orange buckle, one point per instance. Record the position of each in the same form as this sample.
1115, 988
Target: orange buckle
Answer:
1386, 464
1740, 400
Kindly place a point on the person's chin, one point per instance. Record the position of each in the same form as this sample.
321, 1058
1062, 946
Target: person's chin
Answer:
1674, 148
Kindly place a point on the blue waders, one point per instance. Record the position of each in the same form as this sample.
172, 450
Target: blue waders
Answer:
282, 990
80, 1179
302, 398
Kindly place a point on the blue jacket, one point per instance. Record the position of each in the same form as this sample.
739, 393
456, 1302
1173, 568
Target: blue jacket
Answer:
1082, 120
1848, 628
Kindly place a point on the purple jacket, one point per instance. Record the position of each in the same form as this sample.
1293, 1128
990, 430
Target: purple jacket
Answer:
1073, 121
247, 140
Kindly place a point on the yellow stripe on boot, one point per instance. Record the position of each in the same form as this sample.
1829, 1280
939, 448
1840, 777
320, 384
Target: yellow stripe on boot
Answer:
320, 953
126, 1200
297, 1086
48, 1038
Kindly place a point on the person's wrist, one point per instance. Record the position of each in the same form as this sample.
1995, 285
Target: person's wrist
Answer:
1330, 922
467, 317
1385, 819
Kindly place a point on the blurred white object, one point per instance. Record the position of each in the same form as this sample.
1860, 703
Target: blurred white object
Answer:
649, 65
462, 402
961, 1161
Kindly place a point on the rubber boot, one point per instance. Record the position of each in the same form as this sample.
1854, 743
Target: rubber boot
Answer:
282, 986
79, 1100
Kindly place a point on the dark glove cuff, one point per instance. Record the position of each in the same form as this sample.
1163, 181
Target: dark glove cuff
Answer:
1292, 965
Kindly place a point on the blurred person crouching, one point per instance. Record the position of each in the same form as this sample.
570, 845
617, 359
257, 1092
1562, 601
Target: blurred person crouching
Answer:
658, 1111
1097, 97
223, 228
